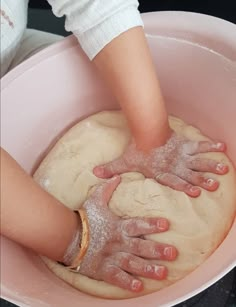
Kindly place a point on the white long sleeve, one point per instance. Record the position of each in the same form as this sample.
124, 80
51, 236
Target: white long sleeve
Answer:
95, 23
13, 16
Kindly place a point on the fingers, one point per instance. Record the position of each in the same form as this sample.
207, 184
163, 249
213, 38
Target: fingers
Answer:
198, 179
207, 165
116, 270
206, 146
117, 277
178, 184
104, 191
143, 226
110, 169
189, 182
149, 249
138, 266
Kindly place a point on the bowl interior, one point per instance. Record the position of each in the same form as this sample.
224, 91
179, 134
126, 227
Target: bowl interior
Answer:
57, 87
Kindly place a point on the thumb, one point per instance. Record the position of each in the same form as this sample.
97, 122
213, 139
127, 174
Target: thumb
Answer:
108, 188
110, 169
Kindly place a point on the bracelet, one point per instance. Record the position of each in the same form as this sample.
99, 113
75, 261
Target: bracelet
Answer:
75, 266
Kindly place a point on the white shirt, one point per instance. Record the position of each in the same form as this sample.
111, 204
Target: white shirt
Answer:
94, 22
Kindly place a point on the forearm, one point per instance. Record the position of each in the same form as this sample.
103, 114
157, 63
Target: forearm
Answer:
32, 217
111, 34
127, 66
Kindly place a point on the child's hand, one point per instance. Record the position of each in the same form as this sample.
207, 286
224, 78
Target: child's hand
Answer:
117, 248
176, 164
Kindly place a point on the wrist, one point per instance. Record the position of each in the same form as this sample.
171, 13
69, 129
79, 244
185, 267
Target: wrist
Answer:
74, 246
153, 136
78, 247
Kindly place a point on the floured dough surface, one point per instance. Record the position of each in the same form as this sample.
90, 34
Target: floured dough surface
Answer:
198, 225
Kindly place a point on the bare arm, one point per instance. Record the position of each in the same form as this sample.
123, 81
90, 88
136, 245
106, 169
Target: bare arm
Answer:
32, 217
126, 65
111, 34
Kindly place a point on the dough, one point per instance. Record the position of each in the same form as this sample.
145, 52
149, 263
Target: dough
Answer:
198, 225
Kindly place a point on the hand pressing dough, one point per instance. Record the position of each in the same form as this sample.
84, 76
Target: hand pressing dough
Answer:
198, 225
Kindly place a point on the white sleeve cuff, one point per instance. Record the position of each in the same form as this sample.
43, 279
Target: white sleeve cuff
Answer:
95, 39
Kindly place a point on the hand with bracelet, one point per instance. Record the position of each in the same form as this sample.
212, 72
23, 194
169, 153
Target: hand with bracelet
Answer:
113, 248
116, 248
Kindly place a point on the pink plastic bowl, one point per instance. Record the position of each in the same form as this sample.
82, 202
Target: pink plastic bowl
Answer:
195, 56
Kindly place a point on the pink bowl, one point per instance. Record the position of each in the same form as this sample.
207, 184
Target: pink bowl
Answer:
195, 56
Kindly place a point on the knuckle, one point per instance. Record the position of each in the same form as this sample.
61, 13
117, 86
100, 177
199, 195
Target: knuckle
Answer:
97, 192
187, 186
124, 161
105, 270
124, 226
111, 167
130, 226
200, 177
110, 269
111, 274
117, 165
163, 177
195, 161
124, 260
192, 177
135, 246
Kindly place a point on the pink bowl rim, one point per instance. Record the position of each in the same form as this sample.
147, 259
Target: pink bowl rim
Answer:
70, 42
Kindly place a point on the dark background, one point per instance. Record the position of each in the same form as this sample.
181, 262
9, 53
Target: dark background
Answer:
224, 9
41, 17
223, 293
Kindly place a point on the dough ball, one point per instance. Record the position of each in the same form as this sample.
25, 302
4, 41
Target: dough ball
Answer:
197, 225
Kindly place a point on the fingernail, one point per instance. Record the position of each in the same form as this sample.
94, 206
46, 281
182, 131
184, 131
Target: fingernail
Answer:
113, 178
210, 182
149, 268
159, 270
168, 252
194, 189
98, 171
156, 253
218, 145
136, 284
221, 167
162, 224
